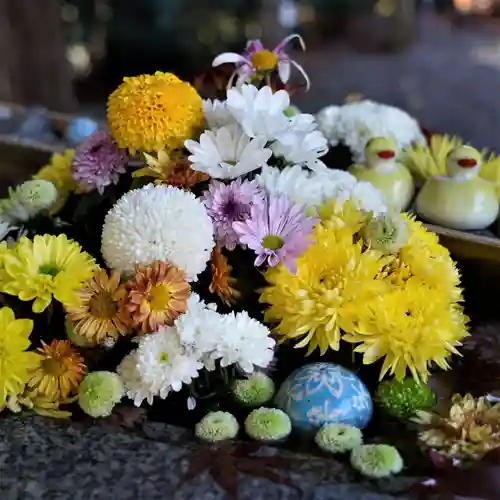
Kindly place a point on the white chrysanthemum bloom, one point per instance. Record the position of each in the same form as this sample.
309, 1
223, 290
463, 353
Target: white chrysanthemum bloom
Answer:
302, 149
243, 341
227, 153
5, 228
158, 223
136, 388
216, 114
260, 112
311, 189
354, 124
164, 364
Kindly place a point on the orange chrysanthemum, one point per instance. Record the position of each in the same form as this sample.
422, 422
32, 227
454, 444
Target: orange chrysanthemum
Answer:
157, 295
99, 314
60, 372
172, 170
222, 281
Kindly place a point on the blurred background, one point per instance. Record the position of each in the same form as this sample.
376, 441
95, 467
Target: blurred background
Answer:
440, 59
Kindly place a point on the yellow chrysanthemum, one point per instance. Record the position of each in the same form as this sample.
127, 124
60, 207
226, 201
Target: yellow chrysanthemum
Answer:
335, 277
44, 267
424, 258
58, 171
409, 328
99, 315
15, 363
60, 372
154, 112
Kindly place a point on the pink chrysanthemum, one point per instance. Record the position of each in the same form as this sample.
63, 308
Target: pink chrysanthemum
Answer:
228, 203
98, 162
277, 231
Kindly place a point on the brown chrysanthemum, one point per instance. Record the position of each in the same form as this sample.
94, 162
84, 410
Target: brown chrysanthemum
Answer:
157, 295
99, 314
173, 170
222, 281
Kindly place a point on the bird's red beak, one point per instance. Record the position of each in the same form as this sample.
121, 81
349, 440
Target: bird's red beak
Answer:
467, 163
386, 155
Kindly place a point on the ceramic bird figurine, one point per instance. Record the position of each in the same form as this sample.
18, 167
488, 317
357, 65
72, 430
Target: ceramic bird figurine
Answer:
460, 199
382, 170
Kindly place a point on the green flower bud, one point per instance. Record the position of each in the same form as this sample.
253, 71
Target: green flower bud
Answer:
386, 233
99, 392
217, 426
338, 438
376, 460
78, 340
31, 197
268, 424
292, 111
403, 399
255, 390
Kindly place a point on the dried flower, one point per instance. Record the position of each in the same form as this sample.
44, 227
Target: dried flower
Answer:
467, 430
217, 426
338, 438
157, 295
376, 460
222, 281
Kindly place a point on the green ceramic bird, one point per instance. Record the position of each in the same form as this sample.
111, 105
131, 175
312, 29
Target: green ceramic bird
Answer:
382, 170
460, 199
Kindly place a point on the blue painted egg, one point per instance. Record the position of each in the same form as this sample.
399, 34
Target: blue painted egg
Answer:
322, 393
79, 128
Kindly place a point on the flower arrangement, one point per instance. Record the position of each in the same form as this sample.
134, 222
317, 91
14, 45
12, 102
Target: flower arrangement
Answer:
176, 257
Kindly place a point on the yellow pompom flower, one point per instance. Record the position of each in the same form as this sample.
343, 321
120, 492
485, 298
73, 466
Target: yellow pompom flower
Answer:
15, 363
44, 267
335, 278
409, 328
60, 371
154, 112
424, 258
58, 171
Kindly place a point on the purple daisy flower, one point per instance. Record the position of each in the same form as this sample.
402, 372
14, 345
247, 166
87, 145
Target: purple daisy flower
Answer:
277, 231
98, 162
228, 203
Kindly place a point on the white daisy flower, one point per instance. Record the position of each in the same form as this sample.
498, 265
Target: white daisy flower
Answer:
354, 124
135, 387
227, 153
260, 112
216, 114
243, 341
164, 364
314, 188
304, 149
158, 223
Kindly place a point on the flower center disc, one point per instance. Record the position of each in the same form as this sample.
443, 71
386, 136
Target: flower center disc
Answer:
102, 305
264, 60
49, 269
160, 296
53, 367
272, 242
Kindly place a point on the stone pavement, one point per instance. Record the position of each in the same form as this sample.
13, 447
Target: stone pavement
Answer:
449, 79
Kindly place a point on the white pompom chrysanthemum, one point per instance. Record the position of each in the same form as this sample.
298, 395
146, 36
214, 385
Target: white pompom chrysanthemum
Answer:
158, 223
355, 123
311, 189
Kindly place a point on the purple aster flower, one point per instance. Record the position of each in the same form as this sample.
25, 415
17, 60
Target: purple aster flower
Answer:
228, 203
277, 231
98, 162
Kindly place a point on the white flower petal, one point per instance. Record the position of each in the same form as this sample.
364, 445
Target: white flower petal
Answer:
229, 58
